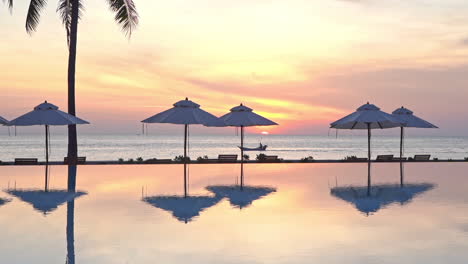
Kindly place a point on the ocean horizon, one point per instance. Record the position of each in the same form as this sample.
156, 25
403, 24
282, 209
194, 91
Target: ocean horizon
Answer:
131, 146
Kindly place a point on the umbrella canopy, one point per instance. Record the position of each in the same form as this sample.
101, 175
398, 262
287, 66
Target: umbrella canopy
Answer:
366, 116
46, 114
408, 119
185, 112
381, 195
184, 209
243, 116
241, 198
45, 202
3, 121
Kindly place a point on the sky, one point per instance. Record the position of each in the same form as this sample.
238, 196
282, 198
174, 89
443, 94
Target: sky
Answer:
301, 63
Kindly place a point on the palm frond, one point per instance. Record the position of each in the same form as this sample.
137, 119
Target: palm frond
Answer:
34, 14
126, 14
9, 3
64, 9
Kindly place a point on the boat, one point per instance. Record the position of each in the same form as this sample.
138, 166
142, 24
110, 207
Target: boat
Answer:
259, 148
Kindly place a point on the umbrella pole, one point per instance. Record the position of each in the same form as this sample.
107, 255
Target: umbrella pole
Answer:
401, 157
401, 142
368, 159
47, 156
401, 174
242, 159
185, 160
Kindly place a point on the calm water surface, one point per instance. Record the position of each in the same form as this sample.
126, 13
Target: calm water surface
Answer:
304, 217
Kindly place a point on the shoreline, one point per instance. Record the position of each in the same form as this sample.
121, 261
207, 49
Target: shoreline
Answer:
109, 162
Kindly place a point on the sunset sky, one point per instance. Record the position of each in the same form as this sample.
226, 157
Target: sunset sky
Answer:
302, 63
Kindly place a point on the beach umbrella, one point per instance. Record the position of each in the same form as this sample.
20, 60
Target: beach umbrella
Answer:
46, 114
240, 198
185, 112
381, 195
43, 201
243, 116
369, 117
408, 119
183, 208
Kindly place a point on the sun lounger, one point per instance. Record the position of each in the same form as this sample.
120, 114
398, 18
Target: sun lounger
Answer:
398, 158
79, 160
421, 157
353, 158
384, 158
271, 158
26, 161
155, 161
227, 158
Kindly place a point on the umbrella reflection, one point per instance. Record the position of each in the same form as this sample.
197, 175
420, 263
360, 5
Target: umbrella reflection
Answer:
240, 197
183, 208
48, 201
45, 202
3, 201
380, 196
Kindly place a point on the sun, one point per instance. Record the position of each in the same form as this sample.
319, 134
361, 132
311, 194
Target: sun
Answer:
265, 133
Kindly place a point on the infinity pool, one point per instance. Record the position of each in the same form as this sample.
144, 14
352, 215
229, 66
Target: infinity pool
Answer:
286, 213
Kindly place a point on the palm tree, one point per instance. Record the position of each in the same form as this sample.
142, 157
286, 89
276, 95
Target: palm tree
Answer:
70, 12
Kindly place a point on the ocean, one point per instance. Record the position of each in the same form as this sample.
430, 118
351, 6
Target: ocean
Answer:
114, 147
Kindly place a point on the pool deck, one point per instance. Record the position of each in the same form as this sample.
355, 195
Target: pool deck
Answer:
109, 162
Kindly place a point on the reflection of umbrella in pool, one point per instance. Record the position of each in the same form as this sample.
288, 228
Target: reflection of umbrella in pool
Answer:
185, 112
380, 196
243, 116
368, 117
238, 197
183, 208
45, 202
3, 201
46, 114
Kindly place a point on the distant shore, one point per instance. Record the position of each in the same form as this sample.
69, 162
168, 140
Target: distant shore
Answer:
109, 162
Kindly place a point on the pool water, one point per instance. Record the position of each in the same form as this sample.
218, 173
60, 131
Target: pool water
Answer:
286, 213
